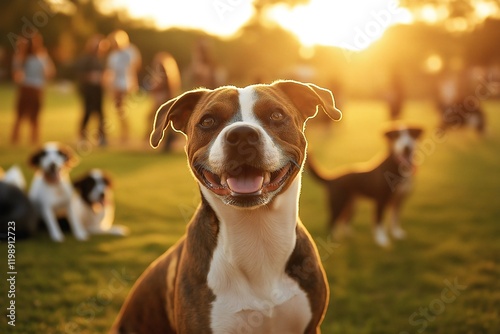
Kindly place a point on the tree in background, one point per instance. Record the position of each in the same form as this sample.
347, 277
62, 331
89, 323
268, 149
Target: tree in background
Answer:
268, 50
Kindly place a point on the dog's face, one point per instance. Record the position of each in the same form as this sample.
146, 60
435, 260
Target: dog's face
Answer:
403, 141
51, 159
94, 188
245, 145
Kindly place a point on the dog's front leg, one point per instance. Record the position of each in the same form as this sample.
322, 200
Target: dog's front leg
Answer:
396, 230
380, 234
75, 223
50, 221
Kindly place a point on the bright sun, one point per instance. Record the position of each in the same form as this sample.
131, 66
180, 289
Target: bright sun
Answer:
350, 24
353, 24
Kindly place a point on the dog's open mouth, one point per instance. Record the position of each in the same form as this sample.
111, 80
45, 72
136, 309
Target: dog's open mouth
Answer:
52, 175
246, 180
406, 157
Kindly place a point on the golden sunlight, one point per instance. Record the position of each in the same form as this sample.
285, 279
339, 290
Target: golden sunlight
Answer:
218, 17
484, 9
433, 64
352, 25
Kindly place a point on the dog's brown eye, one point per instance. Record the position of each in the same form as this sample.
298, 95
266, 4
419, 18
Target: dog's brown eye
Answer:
276, 116
207, 122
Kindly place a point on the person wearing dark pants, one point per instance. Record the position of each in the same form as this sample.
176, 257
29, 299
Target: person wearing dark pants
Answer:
90, 77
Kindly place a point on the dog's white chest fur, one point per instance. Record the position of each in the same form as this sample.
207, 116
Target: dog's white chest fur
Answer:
405, 186
233, 313
56, 195
253, 293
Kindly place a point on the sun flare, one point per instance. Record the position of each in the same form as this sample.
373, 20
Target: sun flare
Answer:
219, 17
352, 25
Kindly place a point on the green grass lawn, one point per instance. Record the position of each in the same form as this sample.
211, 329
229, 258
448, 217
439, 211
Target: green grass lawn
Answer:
452, 220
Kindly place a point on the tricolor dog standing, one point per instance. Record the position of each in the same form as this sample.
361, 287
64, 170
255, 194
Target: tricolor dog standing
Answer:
246, 263
387, 183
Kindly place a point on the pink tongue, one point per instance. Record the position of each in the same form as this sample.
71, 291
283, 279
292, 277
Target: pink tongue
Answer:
245, 184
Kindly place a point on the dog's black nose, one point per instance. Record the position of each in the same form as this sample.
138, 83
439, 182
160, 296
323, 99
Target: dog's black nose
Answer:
407, 151
242, 134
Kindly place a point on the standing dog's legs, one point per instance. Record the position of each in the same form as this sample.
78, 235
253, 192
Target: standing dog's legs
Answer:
380, 234
340, 207
396, 230
344, 226
480, 127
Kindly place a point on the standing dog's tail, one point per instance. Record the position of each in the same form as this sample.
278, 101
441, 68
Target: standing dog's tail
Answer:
313, 170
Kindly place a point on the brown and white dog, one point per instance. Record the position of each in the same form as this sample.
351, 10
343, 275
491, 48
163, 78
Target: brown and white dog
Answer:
51, 190
246, 263
387, 183
95, 205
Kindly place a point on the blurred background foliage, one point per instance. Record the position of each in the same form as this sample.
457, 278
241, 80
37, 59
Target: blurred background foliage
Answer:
262, 51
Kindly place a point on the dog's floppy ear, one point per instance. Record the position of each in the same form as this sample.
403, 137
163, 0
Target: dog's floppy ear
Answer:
71, 160
415, 133
309, 97
107, 181
34, 159
83, 187
392, 134
79, 184
177, 111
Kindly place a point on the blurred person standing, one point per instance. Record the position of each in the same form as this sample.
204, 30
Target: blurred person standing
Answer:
395, 95
164, 83
202, 71
123, 66
449, 90
90, 68
32, 67
3, 63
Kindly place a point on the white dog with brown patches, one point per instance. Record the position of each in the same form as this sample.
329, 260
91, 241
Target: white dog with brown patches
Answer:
95, 205
246, 264
51, 191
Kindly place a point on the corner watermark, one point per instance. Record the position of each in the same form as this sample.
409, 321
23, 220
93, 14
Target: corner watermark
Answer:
11, 273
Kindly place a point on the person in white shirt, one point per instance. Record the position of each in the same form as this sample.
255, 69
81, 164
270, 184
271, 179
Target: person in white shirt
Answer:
123, 66
32, 68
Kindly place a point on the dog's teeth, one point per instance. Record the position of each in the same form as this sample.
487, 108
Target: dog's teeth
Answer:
267, 177
223, 180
